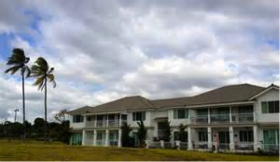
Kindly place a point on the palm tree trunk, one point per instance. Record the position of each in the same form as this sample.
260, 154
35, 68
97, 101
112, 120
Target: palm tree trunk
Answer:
46, 110
23, 104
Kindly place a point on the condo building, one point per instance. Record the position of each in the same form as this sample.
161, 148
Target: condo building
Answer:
240, 117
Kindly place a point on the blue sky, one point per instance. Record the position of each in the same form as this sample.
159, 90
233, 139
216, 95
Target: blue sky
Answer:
105, 50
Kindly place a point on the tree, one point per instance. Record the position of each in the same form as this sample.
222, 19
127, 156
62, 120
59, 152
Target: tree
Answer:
19, 61
142, 132
183, 135
125, 138
43, 73
60, 116
167, 131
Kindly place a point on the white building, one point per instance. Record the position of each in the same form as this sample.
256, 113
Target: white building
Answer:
237, 118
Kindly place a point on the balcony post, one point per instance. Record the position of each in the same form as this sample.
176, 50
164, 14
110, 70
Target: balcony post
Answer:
107, 137
120, 138
209, 130
94, 137
230, 115
190, 147
107, 121
95, 120
231, 138
120, 120
209, 116
255, 134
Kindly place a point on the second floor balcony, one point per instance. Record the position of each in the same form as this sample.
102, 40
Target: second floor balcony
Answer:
104, 123
223, 118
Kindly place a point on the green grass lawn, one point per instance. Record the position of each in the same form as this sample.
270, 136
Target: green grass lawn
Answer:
17, 150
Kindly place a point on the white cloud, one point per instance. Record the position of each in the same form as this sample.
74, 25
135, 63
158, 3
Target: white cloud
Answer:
103, 50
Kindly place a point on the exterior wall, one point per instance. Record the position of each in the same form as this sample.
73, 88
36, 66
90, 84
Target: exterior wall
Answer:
132, 123
153, 117
271, 95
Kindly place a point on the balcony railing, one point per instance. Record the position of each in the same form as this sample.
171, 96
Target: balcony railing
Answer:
219, 118
200, 119
103, 123
100, 142
223, 118
244, 146
243, 117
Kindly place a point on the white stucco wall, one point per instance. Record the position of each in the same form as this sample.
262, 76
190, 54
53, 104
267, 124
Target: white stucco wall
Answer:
271, 95
132, 123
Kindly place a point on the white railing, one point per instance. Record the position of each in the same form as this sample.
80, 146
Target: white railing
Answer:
113, 123
200, 119
155, 145
244, 146
100, 142
183, 145
90, 124
243, 117
201, 145
220, 117
101, 123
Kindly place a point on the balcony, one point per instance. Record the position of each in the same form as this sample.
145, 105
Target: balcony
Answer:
242, 118
200, 119
223, 118
104, 123
220, 118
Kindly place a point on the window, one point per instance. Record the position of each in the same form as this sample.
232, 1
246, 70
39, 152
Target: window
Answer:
78, 119
202, 112
137, 116
90, 118
181, 113
270, 107
202, 136
246, 136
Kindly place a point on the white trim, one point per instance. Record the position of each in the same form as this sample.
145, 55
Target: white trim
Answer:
105, 113
264, 91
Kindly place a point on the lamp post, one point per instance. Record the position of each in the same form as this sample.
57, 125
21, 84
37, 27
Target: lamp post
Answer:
16, 110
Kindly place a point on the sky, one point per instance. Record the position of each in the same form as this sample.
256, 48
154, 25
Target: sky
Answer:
105, 50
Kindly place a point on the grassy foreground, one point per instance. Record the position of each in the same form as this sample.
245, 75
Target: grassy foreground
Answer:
16, 150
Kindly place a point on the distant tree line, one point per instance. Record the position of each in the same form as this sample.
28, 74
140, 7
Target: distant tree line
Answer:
56, 131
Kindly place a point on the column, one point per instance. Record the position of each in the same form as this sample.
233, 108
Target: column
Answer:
209, 130
256, 138
120, 138
107, 121
84, 137
120, 120
190, 147
230, 115
209, 116
107, 137
231, 139
94, 137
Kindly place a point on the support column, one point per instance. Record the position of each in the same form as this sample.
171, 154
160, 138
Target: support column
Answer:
256, 138
107, 137
84, 138
120, 120
209, 116
231, 139
94, 137
209, 130
230, 115
190, 146
120, 138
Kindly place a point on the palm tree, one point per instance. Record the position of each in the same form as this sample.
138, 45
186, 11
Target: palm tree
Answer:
43, 73
19, 61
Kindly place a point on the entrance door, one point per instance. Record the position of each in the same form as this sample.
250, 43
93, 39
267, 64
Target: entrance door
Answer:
100, 138
224, 139
271, 139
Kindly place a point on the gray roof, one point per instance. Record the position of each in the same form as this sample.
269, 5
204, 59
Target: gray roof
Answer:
123, 104
226, 94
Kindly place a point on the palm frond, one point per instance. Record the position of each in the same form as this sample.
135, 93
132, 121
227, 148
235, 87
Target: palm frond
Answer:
43, 64
13, 69
51, 79
39, 81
